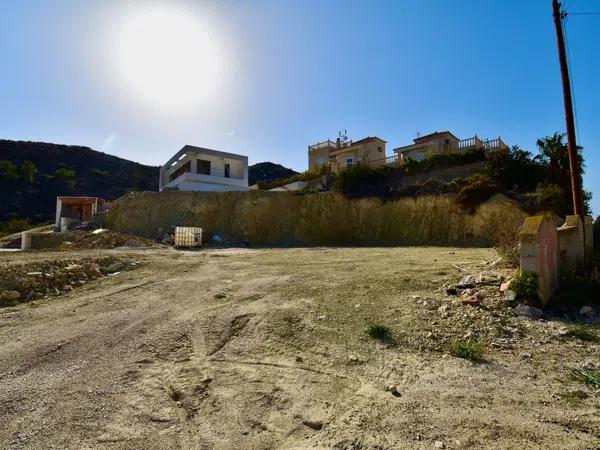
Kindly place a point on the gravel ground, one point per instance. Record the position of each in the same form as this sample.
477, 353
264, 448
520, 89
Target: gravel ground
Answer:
268, 348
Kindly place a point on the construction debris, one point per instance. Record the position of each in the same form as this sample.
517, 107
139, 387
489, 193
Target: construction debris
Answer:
188, 237
27, 282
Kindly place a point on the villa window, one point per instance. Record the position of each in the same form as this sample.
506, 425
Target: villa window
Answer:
227, 170
203, 167
348, 162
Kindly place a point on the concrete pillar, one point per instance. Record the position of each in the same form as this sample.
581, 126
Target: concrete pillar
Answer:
26, 240
571, 244
539, 254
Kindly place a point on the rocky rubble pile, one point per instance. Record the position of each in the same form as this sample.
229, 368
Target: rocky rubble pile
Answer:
478, 309
27, 282
105, 239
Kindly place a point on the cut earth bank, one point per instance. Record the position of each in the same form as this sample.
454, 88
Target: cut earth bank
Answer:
283, 218
268, 348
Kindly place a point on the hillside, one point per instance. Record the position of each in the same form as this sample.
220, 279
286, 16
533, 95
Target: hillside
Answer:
268, 171
30, 190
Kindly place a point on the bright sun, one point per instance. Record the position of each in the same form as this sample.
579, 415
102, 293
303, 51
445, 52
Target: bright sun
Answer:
168, 58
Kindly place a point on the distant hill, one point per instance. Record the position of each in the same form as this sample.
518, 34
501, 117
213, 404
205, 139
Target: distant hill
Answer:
30, 190
268, 171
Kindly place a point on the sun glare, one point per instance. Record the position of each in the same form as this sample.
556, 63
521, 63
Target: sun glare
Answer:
168, 58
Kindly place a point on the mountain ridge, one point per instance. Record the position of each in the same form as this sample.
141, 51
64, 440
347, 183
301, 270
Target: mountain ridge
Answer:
29, 189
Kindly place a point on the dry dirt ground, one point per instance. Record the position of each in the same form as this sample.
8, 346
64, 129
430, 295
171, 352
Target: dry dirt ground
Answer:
267, 348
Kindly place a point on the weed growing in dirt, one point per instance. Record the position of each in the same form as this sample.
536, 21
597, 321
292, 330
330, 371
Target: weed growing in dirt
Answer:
526, 286
175, 394
379, 331
573, 396
583, 333
591, 377
467, 350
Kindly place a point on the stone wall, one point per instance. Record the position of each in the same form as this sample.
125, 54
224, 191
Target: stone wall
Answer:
283, 218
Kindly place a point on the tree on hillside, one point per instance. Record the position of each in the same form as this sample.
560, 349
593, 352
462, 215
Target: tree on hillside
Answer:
28, 171
554, 154
66, 175
8, 170
514, 167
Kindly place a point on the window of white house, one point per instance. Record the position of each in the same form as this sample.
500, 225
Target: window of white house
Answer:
348, 162
320, 160
227, 170
203, 167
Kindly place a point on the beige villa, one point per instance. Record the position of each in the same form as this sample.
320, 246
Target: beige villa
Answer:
442, 141
342, 154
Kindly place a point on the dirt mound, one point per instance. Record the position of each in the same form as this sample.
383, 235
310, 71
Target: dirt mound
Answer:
26, 282
108, 239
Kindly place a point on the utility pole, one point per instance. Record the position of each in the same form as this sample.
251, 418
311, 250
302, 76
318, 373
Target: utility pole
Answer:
566, 87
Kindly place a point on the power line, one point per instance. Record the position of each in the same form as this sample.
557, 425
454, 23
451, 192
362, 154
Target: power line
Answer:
594, 13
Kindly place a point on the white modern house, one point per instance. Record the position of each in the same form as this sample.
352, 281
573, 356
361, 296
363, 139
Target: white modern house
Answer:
201, 169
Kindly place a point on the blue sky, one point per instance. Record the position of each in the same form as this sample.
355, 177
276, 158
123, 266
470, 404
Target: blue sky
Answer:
292, 73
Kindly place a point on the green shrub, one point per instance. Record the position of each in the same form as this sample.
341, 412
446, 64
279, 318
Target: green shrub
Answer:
526, 287
585, 333
442, 160
582, 286
514, 168
589, 376
476, 189
15, 225
361, 180
8, 170
551, 197
472, 351
308, 175
379, 331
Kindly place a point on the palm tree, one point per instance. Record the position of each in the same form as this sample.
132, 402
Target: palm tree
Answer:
555, 153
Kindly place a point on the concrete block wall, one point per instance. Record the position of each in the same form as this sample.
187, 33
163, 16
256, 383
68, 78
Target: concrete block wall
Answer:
31, 240
549, 251
539, 254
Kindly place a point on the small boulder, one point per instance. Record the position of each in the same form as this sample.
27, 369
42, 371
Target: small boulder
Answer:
530, 312
314, 424
586, 311
116, 267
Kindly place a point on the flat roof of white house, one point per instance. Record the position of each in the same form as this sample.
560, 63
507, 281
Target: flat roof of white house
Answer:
205, 151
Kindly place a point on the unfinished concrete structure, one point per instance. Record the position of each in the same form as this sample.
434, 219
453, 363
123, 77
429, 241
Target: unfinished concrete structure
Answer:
444, 141
72, 211
201, 169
